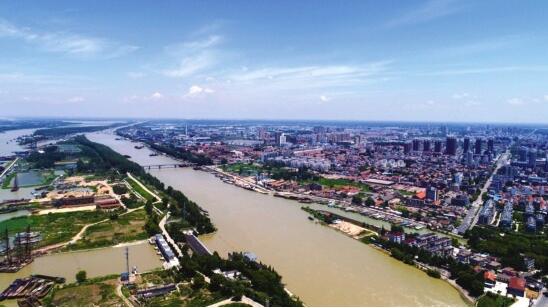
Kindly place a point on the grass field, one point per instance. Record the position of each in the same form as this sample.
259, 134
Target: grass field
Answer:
54, 227
126, 228
140, 190
184, 296
338, 183
242, 168
94, 293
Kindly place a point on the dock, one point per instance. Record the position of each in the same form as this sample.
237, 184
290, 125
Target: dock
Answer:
33, 287
196, 245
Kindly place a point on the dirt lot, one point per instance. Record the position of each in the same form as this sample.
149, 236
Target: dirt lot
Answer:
94, 294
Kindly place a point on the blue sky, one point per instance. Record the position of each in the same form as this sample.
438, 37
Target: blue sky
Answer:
440, 60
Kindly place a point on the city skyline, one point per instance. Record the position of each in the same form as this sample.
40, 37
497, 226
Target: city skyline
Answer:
455, 61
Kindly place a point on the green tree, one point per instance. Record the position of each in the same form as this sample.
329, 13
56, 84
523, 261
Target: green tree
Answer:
81, 276
198, 282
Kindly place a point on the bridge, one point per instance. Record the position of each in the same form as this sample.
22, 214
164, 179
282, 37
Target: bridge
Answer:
165, 166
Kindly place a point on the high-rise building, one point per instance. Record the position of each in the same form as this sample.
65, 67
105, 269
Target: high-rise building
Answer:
451, 146
522, 153
407, 148
532, 157
437, 146
431, 194
466, 145
416, 145
278, 136
426, 145
491, 145
477, 149
469, 158
319, 129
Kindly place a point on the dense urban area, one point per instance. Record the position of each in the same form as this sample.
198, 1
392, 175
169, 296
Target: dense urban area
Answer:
465, 203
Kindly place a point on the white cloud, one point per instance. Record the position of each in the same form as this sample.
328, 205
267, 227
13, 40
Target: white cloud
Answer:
324, 98
208, 42
430, 10
196, 90
136, 75
191, 64
66, 43
460, 95
516, 101
76, 99
546, 97
156, 96
194, 56
310, 76
484, 70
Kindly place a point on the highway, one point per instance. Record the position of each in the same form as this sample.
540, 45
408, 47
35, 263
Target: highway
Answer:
471, 218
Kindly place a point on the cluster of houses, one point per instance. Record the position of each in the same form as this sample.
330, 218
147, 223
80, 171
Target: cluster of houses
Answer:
514, 282
102, 203
534, 218
437, 245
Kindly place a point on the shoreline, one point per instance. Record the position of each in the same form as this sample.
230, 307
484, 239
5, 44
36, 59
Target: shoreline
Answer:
217, 171
462, 293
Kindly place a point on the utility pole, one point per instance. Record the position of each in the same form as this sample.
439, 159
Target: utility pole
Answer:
27, 244
8, 252
127, 260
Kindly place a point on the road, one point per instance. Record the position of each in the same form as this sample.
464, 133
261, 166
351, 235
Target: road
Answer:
158, 199
122, 296
471, 218
542, 300
8, 168
245, 300
162, 226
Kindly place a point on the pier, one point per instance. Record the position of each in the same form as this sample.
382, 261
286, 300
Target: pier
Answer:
196, 245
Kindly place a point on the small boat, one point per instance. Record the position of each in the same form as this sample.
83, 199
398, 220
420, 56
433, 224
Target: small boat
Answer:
310, 218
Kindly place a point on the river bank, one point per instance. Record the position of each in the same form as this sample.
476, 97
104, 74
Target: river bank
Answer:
463, 293
306, 254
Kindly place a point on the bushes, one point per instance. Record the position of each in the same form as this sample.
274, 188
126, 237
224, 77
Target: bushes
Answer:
104, 159
81, 276
494, 300
264, 285
510, 246
119, 189
433, 273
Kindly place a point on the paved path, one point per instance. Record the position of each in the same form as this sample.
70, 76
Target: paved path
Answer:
162, 225
245, 300
8, 168
122, 296
158, 199
79, 235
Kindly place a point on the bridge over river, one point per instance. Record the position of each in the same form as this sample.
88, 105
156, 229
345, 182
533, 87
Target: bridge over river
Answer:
165, 166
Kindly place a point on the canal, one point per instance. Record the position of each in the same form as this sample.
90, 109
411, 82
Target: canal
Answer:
96, 262
320, 265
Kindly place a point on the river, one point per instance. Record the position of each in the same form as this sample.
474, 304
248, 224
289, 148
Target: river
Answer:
320, 265
96, 262
8, 145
